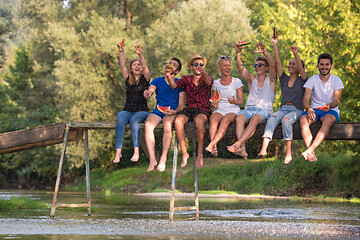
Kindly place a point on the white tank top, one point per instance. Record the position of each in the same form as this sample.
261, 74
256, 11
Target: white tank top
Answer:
261, 98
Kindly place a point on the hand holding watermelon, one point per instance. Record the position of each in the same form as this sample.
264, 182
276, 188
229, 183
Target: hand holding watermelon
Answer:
120, 45
216, 97
323, 108
243, 43
163, 109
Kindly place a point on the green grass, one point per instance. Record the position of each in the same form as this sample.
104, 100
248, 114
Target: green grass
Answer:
22, 203
332, 176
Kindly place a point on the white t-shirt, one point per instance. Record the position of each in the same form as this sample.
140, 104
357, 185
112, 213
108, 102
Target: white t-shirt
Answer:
262, 98
227, 92
323, 93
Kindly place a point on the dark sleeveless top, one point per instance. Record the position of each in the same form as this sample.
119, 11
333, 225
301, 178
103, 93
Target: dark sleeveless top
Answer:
135, 100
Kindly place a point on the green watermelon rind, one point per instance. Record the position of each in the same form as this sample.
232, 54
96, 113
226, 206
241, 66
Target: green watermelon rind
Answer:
163, 109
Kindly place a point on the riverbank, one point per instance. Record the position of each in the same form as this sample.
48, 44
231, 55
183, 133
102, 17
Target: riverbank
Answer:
331, 176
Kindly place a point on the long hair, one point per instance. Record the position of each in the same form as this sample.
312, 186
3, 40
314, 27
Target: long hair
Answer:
132, 80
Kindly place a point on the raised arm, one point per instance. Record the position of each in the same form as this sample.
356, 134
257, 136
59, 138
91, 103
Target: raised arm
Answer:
272, 66
245, 75
299, 65
279, 68
122, 59
170, 78
146, 72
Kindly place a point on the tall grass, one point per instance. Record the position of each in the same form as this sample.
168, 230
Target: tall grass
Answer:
22, 203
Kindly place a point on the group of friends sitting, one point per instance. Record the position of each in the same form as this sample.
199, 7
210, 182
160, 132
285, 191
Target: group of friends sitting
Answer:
188, 99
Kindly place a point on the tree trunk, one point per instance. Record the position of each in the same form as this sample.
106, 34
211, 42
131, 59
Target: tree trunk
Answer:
128, 15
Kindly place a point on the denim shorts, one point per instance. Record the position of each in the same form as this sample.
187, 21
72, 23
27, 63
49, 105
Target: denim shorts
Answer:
320, 114
158, 113
251, 111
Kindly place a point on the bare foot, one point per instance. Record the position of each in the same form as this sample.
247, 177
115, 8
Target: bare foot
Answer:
209, 148
232, 148
199, 161
162, 164
262, 154
215, 152
312, 157
288, 159
212, 149
305, 155
152, 165
117, 156
135, 157
184, 160
241, 152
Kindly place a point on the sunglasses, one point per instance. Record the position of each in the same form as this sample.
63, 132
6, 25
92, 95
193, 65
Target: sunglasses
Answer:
225, 57
197, 64
258, 65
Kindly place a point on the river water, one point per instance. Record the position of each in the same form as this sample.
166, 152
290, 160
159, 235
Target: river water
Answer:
121, 216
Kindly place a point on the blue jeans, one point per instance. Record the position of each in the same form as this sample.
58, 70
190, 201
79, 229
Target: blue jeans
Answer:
285, 111
134, 118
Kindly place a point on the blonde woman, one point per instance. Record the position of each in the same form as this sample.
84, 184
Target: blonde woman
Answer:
228, 106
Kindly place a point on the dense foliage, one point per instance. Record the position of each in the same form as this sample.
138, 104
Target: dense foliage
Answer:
66, 68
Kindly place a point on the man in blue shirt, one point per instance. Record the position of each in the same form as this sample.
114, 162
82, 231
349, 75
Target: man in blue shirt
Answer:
165, 97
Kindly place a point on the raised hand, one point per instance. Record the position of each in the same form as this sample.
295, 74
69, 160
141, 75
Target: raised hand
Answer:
121, 47
294, 49
261, 47
238, 47
274, 39
138, 49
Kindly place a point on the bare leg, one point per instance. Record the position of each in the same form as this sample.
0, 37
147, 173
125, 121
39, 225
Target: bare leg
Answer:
136, 155
225, 121
305, 123
214, 123
265, 144
151, 122
240, 128
327, 122
117, 156
249, 131
200, 121
167, 122
180, 122
288, 156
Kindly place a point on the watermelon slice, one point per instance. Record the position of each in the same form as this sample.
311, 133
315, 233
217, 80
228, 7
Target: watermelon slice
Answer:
121, 43
171, 66
163, 109
243, 43
275, 32
216, 98
322, 108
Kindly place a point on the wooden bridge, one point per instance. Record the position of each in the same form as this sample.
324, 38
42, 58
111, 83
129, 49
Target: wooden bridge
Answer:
74, 131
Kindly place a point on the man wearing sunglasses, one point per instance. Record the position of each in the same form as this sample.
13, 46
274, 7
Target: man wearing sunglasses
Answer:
324, 89
259, 104
198, 93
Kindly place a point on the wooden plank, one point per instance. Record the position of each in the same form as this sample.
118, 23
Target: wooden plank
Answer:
36, 137
191, 208
338, 131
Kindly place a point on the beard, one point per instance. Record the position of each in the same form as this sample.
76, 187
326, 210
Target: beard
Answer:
324, 73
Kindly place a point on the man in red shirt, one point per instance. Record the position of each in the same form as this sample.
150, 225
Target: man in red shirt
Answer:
198, 93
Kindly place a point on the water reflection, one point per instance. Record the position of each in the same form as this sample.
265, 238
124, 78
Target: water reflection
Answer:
121, 216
